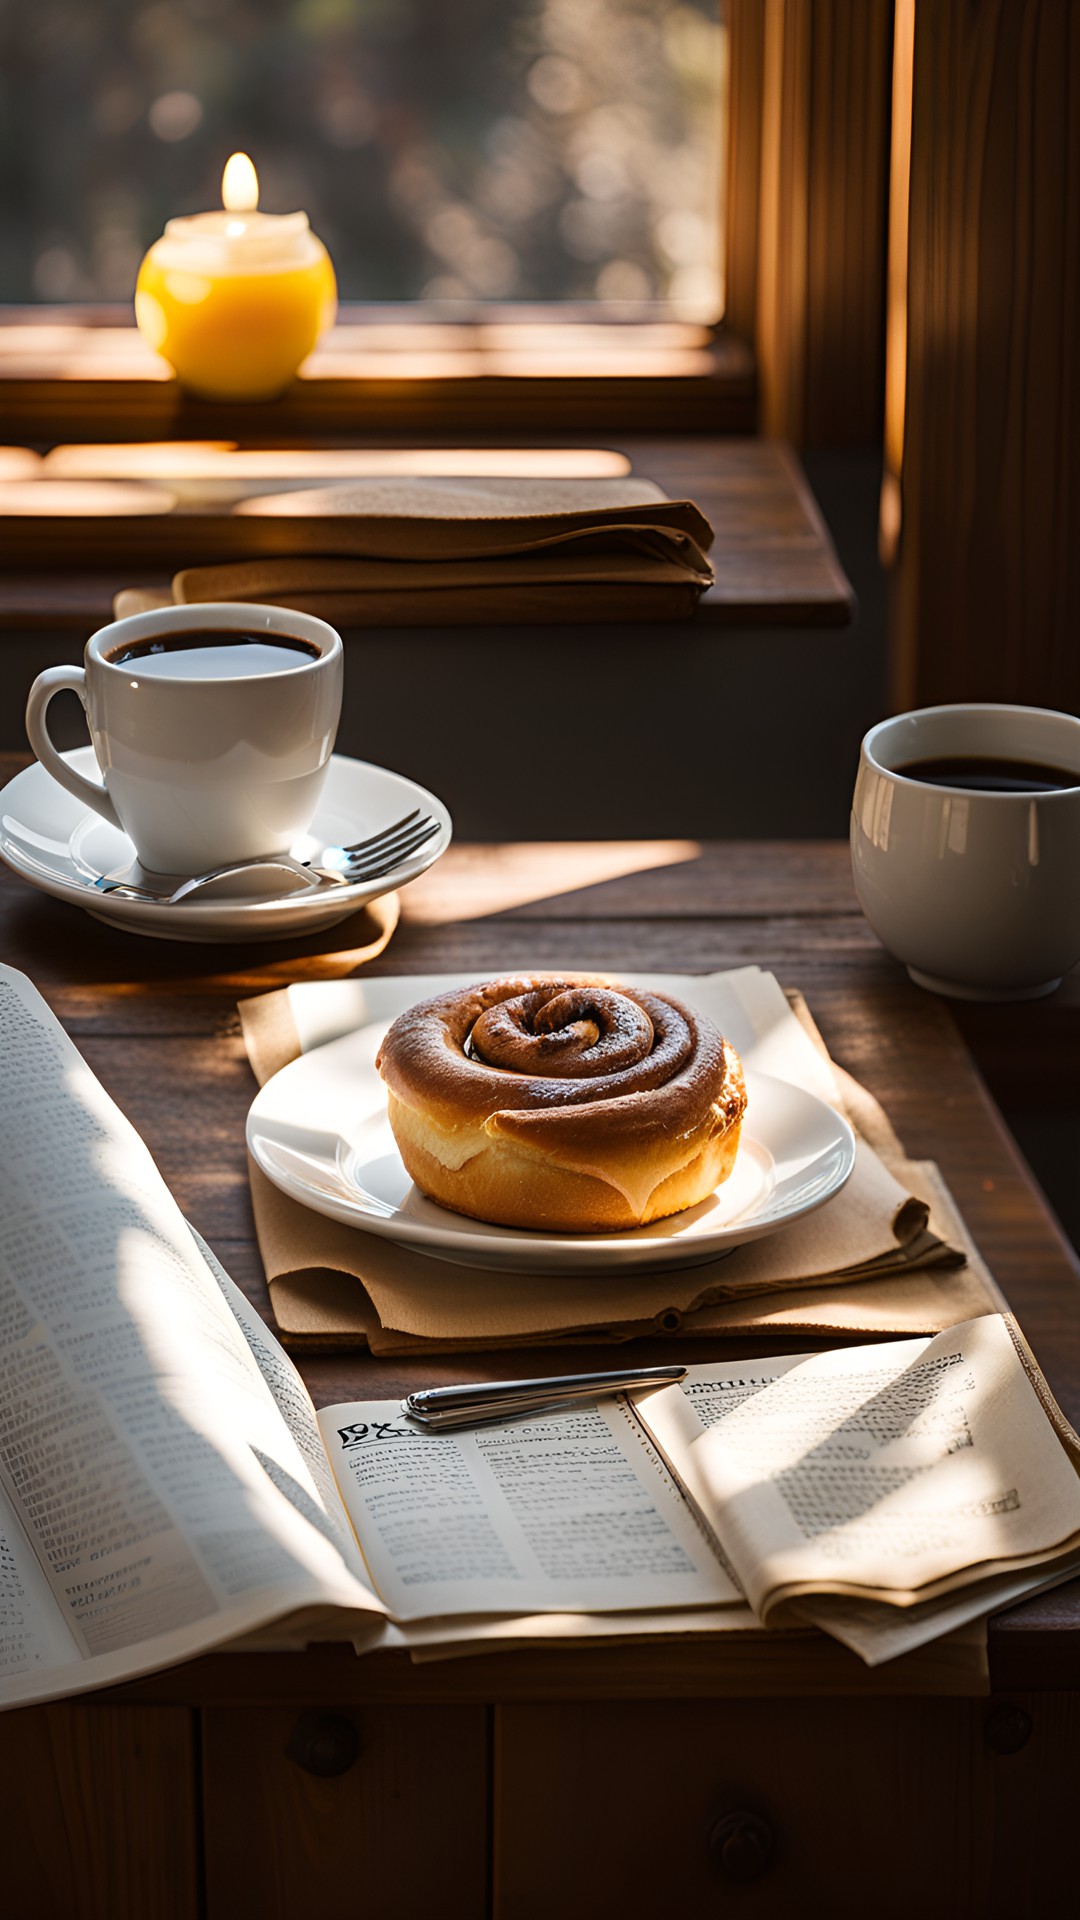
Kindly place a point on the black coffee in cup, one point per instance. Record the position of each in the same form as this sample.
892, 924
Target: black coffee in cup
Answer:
201, 653
214, 726
985, 774
965, 846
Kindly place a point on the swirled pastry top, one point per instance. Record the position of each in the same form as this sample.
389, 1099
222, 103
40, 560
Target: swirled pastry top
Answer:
548, 1060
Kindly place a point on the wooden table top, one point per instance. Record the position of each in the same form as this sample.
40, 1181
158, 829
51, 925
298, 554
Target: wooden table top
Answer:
158, 1023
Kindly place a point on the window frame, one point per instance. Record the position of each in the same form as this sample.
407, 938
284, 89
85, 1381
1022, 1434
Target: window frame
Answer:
799, 352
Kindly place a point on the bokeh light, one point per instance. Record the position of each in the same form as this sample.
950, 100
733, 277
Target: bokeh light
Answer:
506, 150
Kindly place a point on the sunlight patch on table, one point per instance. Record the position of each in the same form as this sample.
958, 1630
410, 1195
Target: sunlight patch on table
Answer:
483, 880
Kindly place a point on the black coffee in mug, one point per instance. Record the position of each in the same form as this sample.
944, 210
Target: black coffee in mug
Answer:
201, 653
979, 773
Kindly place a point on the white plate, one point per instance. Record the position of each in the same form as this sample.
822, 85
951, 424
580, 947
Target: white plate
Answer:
319, 1131
61, 846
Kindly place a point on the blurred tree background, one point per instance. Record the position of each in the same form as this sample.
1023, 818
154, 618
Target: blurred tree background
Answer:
451, 150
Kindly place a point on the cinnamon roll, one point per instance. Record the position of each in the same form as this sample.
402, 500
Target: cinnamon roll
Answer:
572, 1105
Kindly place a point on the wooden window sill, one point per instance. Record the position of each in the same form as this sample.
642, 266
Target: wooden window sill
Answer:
86, 374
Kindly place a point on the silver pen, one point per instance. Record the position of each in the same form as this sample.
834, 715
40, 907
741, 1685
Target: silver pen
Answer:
437, 1409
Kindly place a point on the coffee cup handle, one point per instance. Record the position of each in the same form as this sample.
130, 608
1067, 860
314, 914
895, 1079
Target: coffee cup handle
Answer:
90, 792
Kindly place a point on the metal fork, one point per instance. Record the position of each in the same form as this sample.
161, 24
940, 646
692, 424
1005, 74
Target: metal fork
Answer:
369, 859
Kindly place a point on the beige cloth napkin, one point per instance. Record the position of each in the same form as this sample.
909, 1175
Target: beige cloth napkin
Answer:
886, 1255
412, 552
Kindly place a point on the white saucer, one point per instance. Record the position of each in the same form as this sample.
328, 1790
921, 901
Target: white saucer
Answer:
61, 846
319, 1131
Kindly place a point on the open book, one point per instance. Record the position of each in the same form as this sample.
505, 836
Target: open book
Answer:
166, 1485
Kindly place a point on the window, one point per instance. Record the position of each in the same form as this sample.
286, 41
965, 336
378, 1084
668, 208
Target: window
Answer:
479, 150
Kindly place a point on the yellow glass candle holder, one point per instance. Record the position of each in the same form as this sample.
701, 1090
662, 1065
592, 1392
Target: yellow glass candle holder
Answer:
236, 300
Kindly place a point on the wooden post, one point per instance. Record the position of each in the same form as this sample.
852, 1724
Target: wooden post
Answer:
806, 280
746, 43
983, 495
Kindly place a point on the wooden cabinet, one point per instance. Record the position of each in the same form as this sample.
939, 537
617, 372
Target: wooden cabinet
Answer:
772, 1808
99, 1813
542, 1807
356, 1811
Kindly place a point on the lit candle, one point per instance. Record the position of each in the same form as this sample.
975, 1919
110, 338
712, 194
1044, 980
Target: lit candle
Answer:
235, 300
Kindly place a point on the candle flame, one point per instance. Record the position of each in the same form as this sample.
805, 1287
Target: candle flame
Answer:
239, 185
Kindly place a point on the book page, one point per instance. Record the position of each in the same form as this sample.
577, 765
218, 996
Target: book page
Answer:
33, 1633
901, 1469
490, 1633
571, 1512
296, 1408
877, 1632
140, 1447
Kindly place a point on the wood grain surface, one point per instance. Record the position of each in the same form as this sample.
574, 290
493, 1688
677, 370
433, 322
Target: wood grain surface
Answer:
66, 374
282, 1841
742, 184
99, 1813
818, 245
987, 590
817, 1777
773, 556
158, 1022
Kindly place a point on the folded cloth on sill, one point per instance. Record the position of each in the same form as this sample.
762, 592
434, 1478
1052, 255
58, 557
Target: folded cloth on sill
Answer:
888, 1254
411, 552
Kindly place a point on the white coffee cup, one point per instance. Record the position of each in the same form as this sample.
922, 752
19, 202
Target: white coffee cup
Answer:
977, 892
211, 750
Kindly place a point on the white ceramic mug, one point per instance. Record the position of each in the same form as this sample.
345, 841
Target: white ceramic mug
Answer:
977, 892
206, 757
